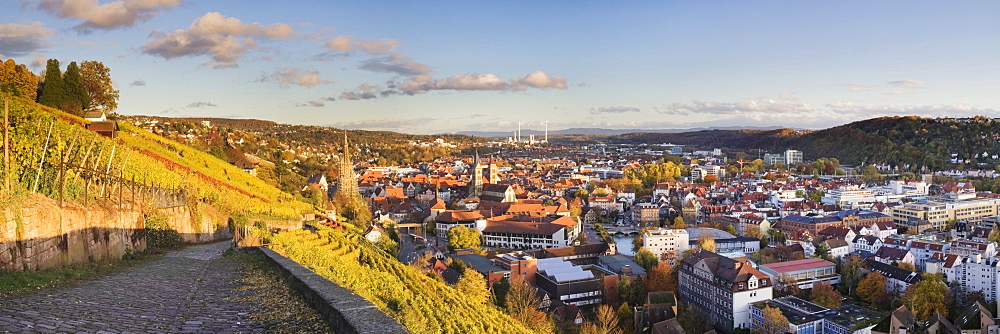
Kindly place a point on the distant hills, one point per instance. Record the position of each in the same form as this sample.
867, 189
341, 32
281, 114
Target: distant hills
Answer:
596, 131
935, 143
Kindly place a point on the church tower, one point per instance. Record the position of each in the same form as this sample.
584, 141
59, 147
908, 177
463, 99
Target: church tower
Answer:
477, 178
347, 183
494, 172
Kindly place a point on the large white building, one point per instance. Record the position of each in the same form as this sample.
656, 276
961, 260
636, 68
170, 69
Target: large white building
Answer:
527, 232
793, 157
722, 288
661, 241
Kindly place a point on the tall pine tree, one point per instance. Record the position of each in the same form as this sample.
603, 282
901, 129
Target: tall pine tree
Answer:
76, 99
52, 89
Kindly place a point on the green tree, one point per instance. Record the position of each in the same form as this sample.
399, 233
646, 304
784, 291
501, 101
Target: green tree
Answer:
626, 321
460, 237
472, 285
97, 81
76, 99
730, 229
824, 295
692, 319
52, 88
870, 174
822, 251
646, 259
637, 241
499, 292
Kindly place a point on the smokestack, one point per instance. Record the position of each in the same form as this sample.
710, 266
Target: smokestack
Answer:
519, 132
546, 131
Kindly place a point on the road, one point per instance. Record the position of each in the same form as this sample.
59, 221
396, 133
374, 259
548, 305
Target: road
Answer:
193, 290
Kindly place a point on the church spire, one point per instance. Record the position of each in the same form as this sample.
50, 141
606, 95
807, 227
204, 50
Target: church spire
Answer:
347, 182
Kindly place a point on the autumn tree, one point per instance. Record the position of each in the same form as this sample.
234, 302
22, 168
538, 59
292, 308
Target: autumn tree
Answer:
646, 259
906, 265
706, 242
606, 322
472, 285
678, 222
97, 82
460, 237
52, 88
928, 296
710, 178
522, 304
824, 295
17, 80
75, 99
871, 289
774, 322
422, 262
661, 278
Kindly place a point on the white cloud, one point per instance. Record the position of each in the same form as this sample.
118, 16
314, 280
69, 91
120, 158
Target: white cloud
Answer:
138, 83
539, 79
38, 62
111, 15
200, 104
312, 104
613, 110
348, 43
396, 63
22, 39
875, 110
389, 124
226, 39
907, 83
294, 76
785, 104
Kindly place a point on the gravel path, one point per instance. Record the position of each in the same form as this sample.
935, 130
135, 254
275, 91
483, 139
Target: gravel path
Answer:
188, 291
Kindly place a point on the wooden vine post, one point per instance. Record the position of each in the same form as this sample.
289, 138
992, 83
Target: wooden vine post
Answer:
6, 147
45, 149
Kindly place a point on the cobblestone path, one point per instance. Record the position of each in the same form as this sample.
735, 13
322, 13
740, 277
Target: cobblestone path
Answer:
187, 291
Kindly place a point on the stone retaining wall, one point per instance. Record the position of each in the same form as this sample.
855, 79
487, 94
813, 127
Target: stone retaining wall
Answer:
39, 233
345, 311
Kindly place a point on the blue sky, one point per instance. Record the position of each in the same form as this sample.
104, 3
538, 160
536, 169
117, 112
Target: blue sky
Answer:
433, 67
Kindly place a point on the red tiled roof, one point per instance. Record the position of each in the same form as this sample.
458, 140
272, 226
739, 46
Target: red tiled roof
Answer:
790, 266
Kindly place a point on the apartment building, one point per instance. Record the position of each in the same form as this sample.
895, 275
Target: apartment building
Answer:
663, 240
646, 213
722, 288
937, 213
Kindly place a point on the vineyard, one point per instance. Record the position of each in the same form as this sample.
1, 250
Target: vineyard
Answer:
420, 303
52, 153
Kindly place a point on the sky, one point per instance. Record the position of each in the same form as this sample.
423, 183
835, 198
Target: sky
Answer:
443, 67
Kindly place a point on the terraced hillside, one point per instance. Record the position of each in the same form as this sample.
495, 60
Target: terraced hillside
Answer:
45, 141
420, 303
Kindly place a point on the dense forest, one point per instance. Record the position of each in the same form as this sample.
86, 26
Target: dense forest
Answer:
935, 143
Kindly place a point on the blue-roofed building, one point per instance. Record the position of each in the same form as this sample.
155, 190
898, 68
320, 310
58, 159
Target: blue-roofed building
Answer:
569, 283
